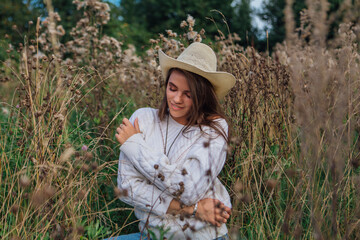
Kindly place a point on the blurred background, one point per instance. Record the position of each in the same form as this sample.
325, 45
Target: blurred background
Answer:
136, 21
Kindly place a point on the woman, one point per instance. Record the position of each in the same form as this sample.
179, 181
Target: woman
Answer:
170, 157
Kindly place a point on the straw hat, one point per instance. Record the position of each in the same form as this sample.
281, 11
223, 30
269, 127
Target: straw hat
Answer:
199, 58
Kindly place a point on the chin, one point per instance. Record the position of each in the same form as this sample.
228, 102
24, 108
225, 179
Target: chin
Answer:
176, 114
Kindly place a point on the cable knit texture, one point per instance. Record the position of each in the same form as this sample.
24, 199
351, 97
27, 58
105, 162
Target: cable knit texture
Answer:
188, 173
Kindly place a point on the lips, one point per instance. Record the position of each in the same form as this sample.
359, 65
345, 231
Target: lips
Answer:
175, 107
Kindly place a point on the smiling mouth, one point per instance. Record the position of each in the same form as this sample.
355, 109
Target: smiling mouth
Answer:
175, 107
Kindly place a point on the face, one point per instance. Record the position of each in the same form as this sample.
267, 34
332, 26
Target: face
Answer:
178, 97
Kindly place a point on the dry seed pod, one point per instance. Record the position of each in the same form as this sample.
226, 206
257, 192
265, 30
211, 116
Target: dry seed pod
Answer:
14, 209
120, 193
94, 166
85, 167
81, 194
206, 144
246, 198
88, 156
186, 225
271, 184
42, 195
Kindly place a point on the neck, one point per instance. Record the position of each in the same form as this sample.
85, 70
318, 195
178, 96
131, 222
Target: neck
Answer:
180, 120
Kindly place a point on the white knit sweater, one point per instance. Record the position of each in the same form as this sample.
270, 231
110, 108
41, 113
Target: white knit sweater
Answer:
190, 171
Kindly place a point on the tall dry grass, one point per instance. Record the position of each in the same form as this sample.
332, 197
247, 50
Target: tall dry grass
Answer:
293, 162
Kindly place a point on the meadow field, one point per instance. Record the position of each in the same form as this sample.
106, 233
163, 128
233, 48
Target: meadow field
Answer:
293, 166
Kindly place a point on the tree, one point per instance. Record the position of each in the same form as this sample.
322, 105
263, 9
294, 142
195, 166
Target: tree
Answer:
155, 16
15, 16
242, 23
273, 13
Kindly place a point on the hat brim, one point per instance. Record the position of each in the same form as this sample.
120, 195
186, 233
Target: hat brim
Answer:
222, 81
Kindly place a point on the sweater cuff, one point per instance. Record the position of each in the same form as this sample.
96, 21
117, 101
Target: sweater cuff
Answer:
162, 204
129, 148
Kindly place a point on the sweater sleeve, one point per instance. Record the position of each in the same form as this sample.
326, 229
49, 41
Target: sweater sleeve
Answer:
188, 182
140, 192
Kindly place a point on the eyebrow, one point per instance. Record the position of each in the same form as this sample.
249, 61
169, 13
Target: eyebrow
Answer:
173, 85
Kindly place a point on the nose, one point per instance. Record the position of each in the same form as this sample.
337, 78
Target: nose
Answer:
178, 97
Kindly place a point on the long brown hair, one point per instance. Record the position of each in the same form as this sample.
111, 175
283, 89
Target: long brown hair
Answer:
205, 105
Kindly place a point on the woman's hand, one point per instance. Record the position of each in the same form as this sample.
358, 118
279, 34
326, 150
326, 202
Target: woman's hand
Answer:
126, 130
213, 211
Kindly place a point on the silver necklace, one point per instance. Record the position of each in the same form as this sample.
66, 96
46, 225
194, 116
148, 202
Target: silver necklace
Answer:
167, 127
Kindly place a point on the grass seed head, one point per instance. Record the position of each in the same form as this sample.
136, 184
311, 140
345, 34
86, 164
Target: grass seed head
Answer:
24, 181
66, 155
238, 187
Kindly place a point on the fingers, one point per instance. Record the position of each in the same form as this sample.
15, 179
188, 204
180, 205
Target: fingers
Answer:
118, 138
126, 130
220, 219
227, 209
126, 122
224, 214
118, 130
136, 124
217, 202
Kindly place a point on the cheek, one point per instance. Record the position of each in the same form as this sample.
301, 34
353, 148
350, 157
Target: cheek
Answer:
189, 102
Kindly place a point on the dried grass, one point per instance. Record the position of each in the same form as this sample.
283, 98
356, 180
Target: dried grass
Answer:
293, 162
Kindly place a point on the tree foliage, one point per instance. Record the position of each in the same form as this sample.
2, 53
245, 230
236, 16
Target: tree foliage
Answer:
136, 21
273, 14
155, 16
243, 23
15, 16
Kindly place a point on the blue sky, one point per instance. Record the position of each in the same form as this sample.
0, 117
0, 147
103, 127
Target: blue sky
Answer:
257, 4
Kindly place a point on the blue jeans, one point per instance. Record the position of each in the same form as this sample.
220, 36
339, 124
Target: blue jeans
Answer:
131, 236
137, 236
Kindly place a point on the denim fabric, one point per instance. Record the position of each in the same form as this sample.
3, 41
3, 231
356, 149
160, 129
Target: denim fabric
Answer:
225, 237
136, 236
132, 236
